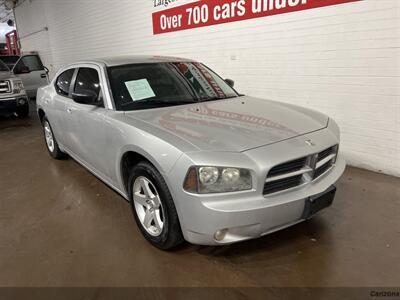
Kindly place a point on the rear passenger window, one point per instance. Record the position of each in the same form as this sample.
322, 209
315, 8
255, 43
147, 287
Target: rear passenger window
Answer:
63, 82
87, 79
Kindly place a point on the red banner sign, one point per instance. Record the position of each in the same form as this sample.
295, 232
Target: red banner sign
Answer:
213, 12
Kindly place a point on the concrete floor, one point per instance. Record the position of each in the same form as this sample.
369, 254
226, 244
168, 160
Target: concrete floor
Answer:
61, 226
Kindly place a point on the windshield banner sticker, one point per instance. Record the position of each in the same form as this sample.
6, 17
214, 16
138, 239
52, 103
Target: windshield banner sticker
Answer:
139, 89
211, 12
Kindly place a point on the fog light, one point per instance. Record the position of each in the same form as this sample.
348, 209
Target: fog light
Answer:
21, 101
220, 234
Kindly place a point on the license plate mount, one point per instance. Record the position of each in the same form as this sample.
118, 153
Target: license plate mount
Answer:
318, 202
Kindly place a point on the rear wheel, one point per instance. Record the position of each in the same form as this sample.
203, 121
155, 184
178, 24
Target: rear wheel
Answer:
51, 142
153, 207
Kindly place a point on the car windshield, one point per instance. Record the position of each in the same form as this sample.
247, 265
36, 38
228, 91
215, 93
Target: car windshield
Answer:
3, 67
9, 60
152, 85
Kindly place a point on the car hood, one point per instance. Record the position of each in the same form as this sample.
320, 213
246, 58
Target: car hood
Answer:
6, 75
236, 124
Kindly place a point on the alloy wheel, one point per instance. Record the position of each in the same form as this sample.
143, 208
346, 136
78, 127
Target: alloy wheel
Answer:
49, 136
148, 206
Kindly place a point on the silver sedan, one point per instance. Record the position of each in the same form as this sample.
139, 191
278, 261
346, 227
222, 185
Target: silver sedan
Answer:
196, 160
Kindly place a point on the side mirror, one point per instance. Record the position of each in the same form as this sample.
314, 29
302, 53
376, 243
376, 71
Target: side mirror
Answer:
22, 70
87, 97
230, 82
46, 69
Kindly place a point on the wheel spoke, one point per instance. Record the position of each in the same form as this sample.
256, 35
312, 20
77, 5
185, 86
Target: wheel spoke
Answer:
146, 188
149, 216
157, 222
157, 202
139, 198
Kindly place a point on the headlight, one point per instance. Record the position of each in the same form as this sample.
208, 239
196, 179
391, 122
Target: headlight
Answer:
205, 180
208, 175
18, 86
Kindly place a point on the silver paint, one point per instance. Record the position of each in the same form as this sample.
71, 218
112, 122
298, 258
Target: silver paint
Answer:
243, 132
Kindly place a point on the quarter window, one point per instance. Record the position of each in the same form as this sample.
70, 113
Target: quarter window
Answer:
63, 82
87, 79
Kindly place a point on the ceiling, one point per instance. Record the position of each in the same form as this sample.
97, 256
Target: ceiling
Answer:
5, 13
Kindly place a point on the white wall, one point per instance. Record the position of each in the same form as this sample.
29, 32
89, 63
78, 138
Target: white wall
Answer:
342, 60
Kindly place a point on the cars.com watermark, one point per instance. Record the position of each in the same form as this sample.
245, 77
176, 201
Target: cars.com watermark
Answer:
387, 294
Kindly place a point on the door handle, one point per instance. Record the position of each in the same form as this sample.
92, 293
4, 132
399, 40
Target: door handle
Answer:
43, 75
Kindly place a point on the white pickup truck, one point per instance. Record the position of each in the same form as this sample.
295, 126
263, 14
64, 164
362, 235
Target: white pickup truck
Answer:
13, 98
30, 69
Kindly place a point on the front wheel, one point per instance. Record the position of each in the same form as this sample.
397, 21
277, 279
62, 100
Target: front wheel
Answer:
22, 111
153, 207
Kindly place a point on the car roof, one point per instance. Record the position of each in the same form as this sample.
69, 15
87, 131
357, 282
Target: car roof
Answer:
135, 59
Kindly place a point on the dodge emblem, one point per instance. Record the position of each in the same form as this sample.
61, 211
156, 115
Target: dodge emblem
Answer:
310, 143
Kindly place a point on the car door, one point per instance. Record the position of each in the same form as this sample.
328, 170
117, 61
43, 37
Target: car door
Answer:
37, 75
86, 123
56, 110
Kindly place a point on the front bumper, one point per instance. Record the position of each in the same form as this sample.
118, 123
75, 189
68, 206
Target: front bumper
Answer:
250, 214
11, 104
284, 210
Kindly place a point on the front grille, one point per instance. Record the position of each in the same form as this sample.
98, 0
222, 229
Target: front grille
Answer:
282, 184
300, 171
321, 170
288, 167
5, 87
326, 153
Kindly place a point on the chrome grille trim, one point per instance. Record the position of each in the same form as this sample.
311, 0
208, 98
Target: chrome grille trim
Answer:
303, 170
325, 160
300, 171
290, 166
5, 86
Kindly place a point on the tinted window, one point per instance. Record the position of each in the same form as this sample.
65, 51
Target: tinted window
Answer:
3, 67
142, 86
64, 82
87, 79
33, 62
9, 60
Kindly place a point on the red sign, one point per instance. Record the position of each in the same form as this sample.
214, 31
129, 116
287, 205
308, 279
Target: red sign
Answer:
213, 12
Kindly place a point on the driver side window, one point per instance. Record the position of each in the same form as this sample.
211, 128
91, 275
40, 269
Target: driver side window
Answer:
88, 80
33, 62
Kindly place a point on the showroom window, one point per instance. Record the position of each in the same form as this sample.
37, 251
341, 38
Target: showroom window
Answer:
87, 79
63, 82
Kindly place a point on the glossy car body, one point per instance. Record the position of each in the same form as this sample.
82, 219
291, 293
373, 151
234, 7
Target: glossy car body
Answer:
241, 132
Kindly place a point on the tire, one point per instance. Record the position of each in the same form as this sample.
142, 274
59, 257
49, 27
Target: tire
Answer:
158, 198
22, 111
51, 142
